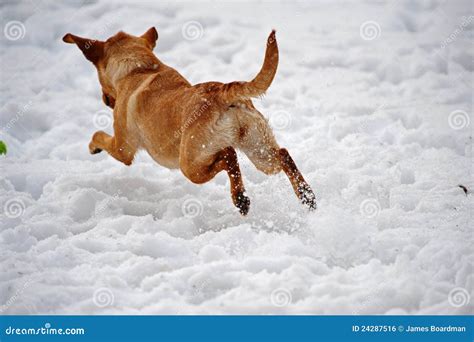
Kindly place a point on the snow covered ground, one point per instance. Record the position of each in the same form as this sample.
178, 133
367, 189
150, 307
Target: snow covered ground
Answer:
373, 100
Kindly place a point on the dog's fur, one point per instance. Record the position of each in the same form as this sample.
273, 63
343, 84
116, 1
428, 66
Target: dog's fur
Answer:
193, 128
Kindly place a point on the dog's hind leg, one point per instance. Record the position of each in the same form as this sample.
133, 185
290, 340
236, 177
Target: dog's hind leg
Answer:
199, 171
273, 160
302, 189
227, 160
259, 144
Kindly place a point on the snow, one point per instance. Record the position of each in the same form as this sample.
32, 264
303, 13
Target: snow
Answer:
373, 101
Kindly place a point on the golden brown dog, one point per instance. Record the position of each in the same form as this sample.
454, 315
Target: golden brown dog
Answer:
195, 128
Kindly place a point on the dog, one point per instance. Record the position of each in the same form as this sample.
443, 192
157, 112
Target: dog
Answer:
194, 128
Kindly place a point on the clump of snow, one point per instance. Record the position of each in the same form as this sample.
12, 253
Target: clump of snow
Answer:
373, 101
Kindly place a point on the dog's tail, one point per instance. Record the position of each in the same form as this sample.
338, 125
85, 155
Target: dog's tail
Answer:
234, 91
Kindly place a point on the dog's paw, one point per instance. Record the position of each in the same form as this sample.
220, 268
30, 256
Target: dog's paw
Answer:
93, 149
243, 203
307, 197
96, 150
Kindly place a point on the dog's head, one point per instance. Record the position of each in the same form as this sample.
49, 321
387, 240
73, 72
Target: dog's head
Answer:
116, 57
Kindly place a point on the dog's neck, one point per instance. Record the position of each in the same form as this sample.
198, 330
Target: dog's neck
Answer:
118, 68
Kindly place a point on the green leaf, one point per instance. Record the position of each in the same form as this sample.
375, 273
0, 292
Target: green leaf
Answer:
3, 148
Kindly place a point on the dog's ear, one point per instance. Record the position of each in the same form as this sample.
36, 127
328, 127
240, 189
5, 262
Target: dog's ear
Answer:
91, 48
151, 36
